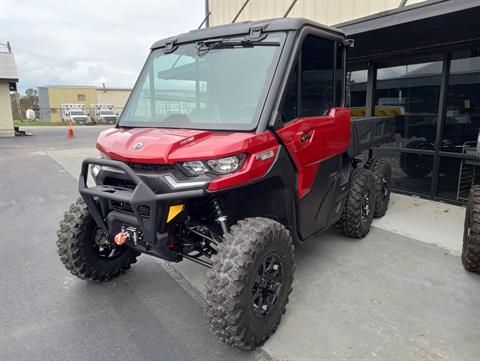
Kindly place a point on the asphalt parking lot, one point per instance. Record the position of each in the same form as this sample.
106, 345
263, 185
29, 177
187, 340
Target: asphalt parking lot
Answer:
46, 313
386, 297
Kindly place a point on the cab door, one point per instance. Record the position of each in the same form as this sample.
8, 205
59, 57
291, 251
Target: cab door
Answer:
315, 131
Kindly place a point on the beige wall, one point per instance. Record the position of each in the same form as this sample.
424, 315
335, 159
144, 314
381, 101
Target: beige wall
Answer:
6, 118
70, 95
328, 12
58, 95
117, 97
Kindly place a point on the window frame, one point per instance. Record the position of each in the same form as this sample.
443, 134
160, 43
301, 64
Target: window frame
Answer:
338, 42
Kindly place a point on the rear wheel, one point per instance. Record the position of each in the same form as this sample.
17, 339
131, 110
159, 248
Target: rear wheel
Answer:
359, 205
382, 172
87, 251
471, 234
249, 282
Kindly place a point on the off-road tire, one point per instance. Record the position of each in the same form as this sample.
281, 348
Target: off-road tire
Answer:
351, 223
382, 172
76, 247
416, 165
229, 301
471, 233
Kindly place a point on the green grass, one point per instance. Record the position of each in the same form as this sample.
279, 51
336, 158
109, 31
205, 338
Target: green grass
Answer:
18, 123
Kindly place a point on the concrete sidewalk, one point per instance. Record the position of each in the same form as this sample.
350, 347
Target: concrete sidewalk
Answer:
391, 296
431, 222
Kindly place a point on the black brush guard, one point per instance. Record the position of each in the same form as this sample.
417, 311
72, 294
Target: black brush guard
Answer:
149, 208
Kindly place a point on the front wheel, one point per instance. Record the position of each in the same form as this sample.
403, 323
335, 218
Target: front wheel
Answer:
87, 251
249, 282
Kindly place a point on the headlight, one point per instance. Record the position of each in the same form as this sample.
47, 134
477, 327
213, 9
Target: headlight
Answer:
95, 168
195, 167
225, 165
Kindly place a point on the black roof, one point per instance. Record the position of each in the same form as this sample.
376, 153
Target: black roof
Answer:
422, 30
269, 25
406, 14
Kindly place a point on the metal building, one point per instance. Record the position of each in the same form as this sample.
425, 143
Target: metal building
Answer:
328, 12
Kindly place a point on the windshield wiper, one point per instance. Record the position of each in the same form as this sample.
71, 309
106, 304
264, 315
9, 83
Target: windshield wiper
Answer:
203, 47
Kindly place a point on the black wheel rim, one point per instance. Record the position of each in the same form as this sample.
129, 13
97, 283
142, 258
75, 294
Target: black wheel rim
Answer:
384, 187
267, 285
467, 231
104, 247
365, 212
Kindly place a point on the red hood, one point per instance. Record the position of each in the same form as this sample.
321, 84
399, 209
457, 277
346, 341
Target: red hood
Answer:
165, 146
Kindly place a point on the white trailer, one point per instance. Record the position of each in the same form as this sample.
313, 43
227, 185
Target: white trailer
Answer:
102, 113
74, 112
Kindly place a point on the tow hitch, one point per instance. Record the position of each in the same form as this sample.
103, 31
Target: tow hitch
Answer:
125, 235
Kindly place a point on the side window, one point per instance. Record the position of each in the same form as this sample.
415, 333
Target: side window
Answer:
289, 108
315, 82
316, 76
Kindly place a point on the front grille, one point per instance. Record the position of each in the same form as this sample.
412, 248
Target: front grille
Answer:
157, 168
121, 183
126, 208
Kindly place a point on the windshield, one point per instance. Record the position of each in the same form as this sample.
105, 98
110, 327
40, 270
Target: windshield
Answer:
220, 88
76, 112
106, 112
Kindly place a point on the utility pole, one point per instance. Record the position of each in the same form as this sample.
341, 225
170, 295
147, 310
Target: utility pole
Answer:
19, 108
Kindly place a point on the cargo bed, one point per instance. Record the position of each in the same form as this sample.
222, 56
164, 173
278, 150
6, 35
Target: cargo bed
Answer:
370, 132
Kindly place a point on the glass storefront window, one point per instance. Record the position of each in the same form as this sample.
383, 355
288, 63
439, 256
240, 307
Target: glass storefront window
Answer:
461, 126
357, 92
410, 93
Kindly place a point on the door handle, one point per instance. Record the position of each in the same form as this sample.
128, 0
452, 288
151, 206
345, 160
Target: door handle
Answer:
305, 137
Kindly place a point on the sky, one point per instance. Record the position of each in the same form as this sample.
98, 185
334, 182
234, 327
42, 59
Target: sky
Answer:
86, 42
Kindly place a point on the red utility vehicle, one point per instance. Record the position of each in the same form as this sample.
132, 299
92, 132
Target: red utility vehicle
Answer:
233, 147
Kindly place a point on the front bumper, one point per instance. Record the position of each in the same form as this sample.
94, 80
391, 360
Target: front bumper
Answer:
148, 208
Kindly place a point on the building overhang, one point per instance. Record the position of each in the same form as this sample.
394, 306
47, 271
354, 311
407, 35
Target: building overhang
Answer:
420, 28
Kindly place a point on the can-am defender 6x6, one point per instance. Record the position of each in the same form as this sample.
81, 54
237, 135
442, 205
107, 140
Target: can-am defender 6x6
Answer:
233, 146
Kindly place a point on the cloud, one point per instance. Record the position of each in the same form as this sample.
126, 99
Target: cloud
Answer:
90, 42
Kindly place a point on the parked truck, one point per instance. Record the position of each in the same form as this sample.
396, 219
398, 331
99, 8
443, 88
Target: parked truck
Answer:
74, 112
261, 156
102, 114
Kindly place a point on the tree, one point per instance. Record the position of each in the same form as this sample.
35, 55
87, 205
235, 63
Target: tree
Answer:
30, 92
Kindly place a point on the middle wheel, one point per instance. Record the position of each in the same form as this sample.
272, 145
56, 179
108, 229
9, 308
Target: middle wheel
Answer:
249, 283
359, 205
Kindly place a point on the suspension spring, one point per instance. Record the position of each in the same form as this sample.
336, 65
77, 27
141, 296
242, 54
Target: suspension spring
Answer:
219, 215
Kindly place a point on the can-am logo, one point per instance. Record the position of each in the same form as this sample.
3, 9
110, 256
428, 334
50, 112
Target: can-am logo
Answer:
138, 146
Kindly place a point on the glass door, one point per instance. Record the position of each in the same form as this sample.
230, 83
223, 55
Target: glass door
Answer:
459, 167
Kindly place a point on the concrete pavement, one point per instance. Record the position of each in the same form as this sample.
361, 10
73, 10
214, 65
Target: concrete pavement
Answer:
386, 297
